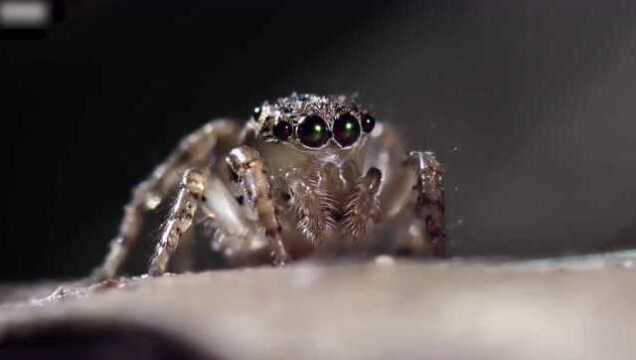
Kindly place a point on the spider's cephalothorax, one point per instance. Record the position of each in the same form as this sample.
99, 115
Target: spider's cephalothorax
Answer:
306, 173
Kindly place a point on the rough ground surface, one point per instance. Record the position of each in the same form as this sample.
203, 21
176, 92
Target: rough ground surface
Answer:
571, 309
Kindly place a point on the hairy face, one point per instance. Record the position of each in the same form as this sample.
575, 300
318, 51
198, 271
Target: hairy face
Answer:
311, 122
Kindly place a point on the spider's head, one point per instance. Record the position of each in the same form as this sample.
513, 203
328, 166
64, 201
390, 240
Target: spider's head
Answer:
311, 122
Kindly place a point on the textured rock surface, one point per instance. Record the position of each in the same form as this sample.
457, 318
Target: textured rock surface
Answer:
574, 309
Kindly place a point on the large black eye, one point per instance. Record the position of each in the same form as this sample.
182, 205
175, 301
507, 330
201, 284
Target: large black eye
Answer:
312, 131
282, 130
346, 130
257, 113
368, 123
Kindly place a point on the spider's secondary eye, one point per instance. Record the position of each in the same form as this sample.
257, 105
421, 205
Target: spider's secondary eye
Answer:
282, 130
313, 131
368, 123
346, 130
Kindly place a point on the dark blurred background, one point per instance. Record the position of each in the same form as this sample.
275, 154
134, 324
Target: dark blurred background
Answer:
530, 104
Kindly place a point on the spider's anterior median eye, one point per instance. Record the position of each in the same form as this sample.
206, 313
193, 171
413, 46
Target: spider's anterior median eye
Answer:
282, 130
368, 123
257, 113
312, 131
346, 130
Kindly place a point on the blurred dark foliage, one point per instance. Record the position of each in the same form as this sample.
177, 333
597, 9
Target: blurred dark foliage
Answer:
529, 103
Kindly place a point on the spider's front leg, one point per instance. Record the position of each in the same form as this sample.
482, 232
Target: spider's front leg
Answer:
430, 198
196, 150
181, 217
250, 172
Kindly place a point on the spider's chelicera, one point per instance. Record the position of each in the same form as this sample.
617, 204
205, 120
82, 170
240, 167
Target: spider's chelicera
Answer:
306, 173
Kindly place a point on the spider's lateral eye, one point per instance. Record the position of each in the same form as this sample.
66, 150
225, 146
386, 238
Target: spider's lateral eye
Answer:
368, 123
257, 113
282, 130
313, 132
346, 130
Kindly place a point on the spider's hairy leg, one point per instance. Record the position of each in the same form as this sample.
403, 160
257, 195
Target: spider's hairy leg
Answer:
191, 191
430, 198
196, 150
420, 173
249, 169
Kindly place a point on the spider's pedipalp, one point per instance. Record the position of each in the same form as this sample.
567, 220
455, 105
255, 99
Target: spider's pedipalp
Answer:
249, 169
363, 208
430, 198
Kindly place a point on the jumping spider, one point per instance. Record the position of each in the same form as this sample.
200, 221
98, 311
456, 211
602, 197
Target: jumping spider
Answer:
306, 172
